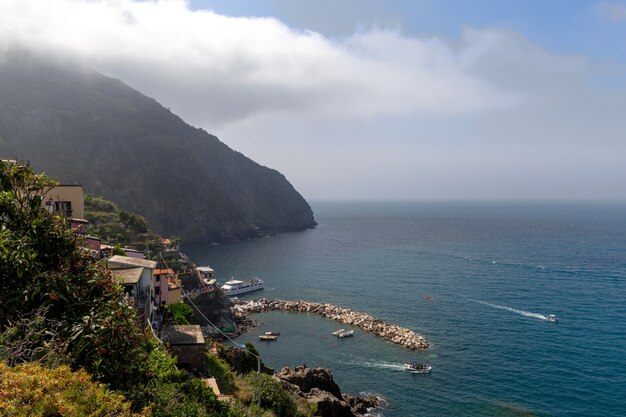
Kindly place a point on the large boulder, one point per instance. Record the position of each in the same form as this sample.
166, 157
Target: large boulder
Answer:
328, 405
307, 379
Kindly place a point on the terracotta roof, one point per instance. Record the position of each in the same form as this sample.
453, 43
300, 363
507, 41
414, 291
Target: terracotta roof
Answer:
163, 272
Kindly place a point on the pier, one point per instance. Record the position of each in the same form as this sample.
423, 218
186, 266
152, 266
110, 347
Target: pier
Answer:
391, 332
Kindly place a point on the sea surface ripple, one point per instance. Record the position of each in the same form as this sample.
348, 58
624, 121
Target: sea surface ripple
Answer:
494, 272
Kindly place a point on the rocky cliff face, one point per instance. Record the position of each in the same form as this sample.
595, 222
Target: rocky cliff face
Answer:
80, 126
317, 386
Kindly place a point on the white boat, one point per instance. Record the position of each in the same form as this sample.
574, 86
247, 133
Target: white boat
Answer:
417, 368
337, 332
552, 318
347, 333
267, 337
341, 333
272, 333
234, 286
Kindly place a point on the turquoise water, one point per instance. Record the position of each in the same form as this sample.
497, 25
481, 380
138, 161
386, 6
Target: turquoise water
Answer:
493, 269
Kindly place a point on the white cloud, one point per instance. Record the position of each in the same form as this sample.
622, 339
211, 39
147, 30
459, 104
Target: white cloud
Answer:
375, 113
612, 10
214, 69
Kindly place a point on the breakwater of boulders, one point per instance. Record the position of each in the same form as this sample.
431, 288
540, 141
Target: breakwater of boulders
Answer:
392, 332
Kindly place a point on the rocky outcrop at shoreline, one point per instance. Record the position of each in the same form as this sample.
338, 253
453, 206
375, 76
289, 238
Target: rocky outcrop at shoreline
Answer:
317, 386
392, 332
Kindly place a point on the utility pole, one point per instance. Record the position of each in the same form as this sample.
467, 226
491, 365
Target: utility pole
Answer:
258, 385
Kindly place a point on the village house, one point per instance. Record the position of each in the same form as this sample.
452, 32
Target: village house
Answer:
145, 287
166, 286
68, 201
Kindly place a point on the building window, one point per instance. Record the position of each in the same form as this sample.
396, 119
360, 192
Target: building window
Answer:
157, 290
63, 207
157, 278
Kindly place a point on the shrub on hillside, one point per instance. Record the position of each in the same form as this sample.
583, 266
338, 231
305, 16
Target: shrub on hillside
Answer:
219, 369
273, 395
179, 313
30, 390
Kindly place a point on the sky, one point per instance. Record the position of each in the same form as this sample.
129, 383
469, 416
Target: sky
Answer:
373, 99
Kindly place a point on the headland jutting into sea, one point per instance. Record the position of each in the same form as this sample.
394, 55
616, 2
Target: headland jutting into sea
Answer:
391, 332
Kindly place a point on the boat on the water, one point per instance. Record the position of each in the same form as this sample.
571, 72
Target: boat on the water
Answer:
427, 298
268, 337
272, 333
336, 332
235, 286
552, 318
341, 333
418, 368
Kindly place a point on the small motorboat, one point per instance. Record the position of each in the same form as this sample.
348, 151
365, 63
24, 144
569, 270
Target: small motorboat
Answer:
267, 337
346, 333
427, 298
338, 332
272, 333
552, 318
417, 368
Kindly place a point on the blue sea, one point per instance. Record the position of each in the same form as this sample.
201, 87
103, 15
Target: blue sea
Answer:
493, 270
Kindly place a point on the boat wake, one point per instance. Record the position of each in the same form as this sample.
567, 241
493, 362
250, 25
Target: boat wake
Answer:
511, 309
380, 365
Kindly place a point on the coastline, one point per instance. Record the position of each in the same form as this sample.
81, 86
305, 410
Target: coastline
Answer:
390, 332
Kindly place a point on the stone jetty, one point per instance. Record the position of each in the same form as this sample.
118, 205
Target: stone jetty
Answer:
392, 332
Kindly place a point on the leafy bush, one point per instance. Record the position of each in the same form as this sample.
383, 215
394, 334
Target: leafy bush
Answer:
273, 395
58, 305
32, 390
112, 224
220, 370
179, 313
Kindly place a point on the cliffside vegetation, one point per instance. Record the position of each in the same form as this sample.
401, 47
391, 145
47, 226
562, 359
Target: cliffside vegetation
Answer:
60, 307
117, 226
71, 346
32, 390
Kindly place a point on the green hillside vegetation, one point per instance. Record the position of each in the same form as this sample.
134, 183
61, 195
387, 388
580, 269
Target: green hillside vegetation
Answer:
117, 226
59, 307
69, 343
31, 390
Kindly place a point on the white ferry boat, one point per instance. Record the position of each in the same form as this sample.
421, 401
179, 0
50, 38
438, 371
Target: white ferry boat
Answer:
234, 286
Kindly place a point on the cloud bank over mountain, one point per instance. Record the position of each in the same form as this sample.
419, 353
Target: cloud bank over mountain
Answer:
508, 116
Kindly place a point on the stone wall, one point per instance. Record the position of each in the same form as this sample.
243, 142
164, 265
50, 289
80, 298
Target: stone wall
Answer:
392, 332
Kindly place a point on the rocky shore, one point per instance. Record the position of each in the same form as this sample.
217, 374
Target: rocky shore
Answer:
317, 386
391, 332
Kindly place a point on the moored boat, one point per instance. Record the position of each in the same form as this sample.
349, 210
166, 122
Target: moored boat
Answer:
341, 333
337, 332
267, 337
272, 333
234, 286
418, 368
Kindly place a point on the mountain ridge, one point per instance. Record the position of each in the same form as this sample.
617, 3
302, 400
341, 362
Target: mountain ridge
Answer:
80, 126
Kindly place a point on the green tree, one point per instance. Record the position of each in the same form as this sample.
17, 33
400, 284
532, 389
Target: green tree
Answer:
59, 305
273, 395
52, 292
179, 313
117, 250
31, 390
